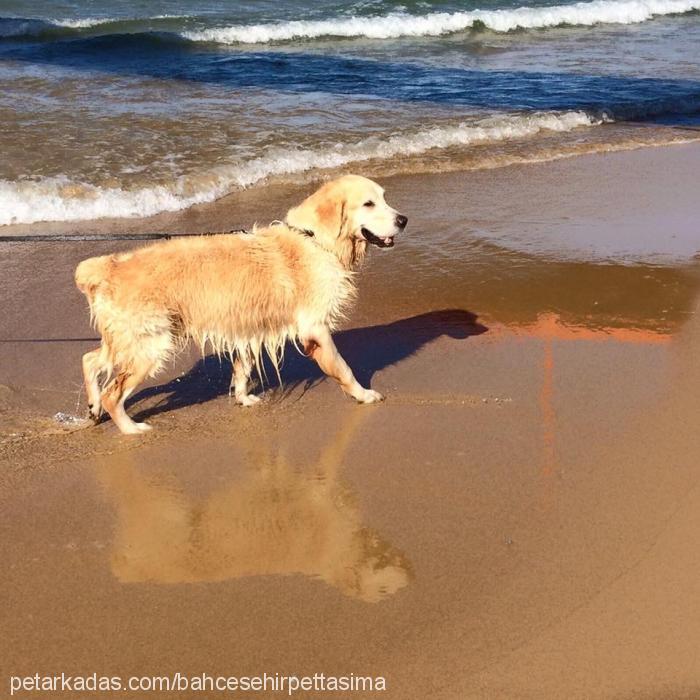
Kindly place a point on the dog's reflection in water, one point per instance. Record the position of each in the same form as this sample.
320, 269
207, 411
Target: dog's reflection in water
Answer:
272, 519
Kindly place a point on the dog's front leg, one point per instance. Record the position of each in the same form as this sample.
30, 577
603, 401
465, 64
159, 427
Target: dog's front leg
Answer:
239, 382
319, 345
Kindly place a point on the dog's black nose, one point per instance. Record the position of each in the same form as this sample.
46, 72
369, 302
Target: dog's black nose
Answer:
401, 220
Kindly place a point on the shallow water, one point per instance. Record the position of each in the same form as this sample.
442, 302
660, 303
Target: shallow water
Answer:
155, 107
554, 251
513, 496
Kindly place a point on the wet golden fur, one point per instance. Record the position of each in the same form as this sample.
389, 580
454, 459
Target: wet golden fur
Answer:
239, 295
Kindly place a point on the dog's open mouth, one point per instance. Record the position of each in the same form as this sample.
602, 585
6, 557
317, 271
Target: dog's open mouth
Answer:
370, 237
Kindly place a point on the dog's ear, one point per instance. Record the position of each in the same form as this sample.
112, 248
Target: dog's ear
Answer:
323, 214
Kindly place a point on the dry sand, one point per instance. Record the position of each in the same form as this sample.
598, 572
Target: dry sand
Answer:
519, 520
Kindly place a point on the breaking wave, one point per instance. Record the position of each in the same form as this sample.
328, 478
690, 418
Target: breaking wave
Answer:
438, 23
21, 27
62, 199
389, 26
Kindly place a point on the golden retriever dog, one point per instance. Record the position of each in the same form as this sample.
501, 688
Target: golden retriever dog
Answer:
277, 517
240, 295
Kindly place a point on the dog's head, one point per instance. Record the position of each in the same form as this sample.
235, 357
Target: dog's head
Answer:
346, 214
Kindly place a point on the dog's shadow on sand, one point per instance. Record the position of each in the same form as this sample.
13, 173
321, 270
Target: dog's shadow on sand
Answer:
367, 350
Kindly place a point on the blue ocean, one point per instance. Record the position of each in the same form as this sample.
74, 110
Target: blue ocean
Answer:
132, 108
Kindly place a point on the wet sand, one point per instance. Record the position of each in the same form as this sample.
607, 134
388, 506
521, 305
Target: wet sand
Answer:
518, 520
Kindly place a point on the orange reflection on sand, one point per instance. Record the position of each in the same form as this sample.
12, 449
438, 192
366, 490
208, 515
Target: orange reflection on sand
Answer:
550, 327
548, 415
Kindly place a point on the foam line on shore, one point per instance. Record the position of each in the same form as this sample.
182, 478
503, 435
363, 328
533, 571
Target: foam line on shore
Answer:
62, 199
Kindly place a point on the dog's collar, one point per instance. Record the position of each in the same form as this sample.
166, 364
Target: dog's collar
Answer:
296, 229
303, 231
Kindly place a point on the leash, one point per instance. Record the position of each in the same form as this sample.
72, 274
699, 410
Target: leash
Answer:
71, 237
62, 238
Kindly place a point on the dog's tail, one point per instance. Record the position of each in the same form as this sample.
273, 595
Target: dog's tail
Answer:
89, 277
91, 273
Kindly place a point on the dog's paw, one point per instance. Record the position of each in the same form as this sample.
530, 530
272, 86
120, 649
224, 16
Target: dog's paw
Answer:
248, 400
135, 428
370, 396
94, 412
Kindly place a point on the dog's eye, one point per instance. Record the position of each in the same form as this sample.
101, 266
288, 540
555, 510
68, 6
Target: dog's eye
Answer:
369, 203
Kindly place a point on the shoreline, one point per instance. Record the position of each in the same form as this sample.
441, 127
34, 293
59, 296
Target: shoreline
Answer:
518, 519
487, 241
547, 146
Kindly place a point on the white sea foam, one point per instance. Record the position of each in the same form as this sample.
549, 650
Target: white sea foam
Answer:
438, 23
87, 22
16, 26
61, 199
83, 23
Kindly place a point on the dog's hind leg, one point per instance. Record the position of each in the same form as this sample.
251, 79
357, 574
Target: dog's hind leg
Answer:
319, 345
118, 391
93, 366
242, 366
